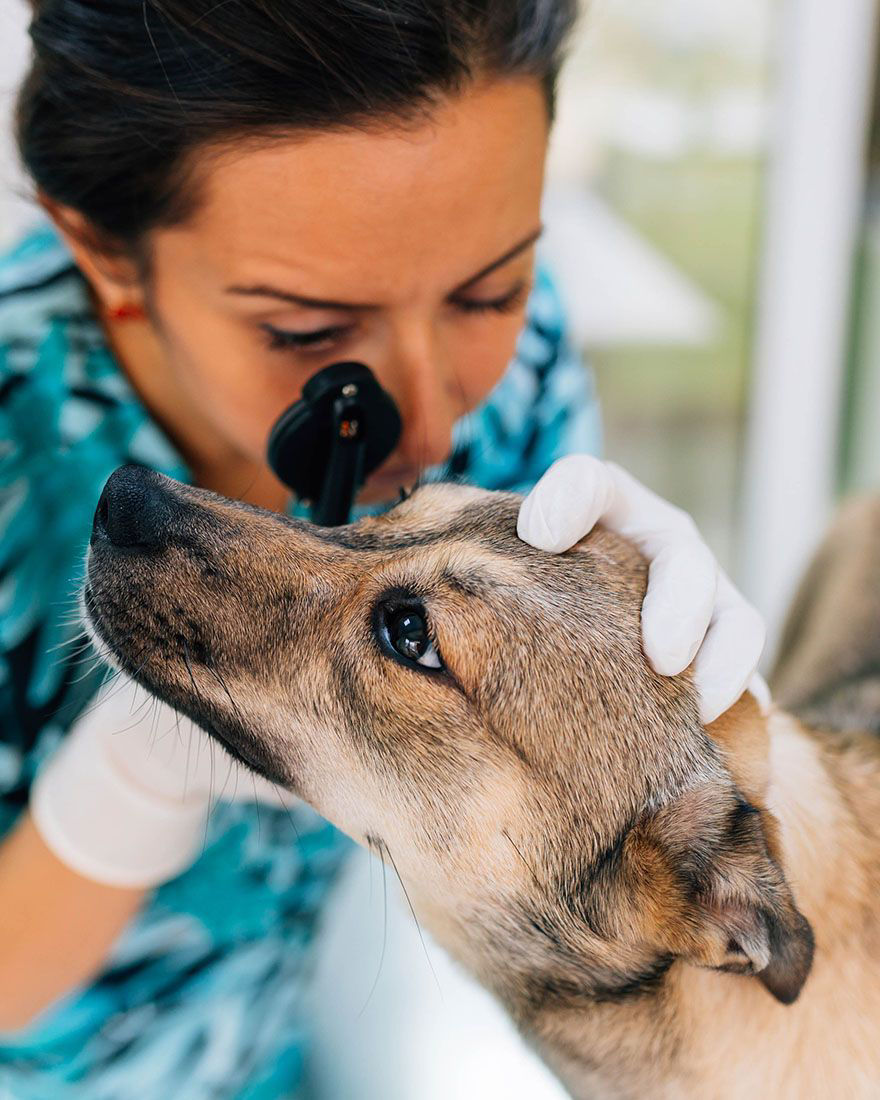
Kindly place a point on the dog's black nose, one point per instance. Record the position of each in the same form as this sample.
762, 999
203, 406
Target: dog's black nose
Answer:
135, 509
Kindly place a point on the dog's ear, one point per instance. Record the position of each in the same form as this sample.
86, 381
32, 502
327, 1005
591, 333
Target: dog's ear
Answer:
724, 901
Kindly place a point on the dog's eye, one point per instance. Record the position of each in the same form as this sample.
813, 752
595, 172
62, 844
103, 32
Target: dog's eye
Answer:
408, 634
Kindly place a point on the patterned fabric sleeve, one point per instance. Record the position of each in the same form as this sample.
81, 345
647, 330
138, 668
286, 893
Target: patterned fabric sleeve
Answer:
66, 422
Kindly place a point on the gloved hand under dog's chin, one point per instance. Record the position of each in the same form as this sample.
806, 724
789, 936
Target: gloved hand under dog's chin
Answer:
167, 753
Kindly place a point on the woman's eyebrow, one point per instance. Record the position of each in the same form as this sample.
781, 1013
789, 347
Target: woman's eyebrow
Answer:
262, 290
525, 243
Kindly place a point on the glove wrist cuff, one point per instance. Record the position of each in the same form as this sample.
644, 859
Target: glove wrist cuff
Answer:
105, 827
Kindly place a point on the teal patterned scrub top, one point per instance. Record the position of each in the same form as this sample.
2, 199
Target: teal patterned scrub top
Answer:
201, 995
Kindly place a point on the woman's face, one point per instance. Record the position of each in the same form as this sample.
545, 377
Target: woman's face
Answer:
410, 250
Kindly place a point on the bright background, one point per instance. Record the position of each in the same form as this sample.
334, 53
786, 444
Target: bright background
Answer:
714, 220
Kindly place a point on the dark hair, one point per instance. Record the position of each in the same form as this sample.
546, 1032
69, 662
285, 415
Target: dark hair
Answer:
121, 91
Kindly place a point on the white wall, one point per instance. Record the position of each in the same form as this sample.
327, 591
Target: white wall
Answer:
814, 204
15, 209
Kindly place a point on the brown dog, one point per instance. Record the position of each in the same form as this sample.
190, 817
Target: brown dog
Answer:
481, 713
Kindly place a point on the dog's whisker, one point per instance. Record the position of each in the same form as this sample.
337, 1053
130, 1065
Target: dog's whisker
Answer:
111, 675
526, 863
77, 642
211, 805
215, 672
374, 843
199, 696
99, 658
414, 917
189, 742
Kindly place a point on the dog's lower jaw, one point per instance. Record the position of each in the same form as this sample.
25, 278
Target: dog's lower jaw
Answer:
717, 1035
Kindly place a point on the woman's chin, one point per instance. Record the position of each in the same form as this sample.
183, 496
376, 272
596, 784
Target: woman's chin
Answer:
384, 487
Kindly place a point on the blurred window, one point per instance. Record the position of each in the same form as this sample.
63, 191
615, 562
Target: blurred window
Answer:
653, 212
861, 427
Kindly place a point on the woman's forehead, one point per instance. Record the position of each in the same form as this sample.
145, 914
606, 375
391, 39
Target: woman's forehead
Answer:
436, 200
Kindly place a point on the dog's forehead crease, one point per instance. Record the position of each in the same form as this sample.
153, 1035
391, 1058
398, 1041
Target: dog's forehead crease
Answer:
468, 539
432, 514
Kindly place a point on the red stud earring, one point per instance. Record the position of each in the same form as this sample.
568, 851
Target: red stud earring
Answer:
128, 311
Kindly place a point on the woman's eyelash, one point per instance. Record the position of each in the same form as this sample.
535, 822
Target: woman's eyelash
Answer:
507, 304
279, 339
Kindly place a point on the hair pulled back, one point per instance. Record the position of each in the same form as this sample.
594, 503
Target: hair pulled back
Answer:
120, 92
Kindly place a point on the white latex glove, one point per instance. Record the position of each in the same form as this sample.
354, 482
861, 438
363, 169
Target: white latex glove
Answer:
691, 609
125, 797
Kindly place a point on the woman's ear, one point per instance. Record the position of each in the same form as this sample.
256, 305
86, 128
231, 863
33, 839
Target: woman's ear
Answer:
114, 276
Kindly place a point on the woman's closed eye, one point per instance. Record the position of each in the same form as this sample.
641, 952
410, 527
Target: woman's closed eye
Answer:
328, 337
317, 339
505, 303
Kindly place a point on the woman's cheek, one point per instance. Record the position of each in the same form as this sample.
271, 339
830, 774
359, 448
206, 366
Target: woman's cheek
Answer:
486, 355
241, 392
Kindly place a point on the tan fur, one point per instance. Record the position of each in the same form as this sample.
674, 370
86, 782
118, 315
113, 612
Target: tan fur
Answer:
638, 892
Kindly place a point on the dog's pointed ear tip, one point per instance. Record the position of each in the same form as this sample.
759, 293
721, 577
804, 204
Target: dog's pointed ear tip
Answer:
786, 995
786, 988
784, 977
777, 940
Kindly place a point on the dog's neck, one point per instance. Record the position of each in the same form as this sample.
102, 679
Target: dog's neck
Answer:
712, 1034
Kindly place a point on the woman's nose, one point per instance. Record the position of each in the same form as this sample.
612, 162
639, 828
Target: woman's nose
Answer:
427, 397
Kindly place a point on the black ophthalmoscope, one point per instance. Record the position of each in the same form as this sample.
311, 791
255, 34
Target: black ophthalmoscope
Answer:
328, 442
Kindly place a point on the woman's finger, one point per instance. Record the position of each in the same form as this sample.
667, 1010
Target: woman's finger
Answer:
730, 652
566, 503
679, 603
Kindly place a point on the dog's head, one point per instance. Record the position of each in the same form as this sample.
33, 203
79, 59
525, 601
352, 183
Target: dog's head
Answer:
478, 711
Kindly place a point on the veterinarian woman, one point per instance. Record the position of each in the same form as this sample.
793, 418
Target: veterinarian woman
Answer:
237, 195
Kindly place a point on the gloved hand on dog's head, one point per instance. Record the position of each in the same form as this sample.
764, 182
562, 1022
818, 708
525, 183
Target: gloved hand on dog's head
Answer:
691, 610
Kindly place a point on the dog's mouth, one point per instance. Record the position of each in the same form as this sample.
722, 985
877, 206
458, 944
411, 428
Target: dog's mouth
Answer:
100, 634
224, 724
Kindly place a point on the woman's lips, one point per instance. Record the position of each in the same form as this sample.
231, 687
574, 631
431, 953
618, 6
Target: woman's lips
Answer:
385, 484
401, 475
